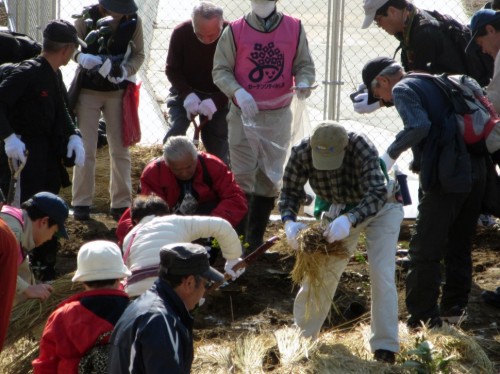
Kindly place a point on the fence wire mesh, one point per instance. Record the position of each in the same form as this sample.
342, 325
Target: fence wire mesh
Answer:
338, 45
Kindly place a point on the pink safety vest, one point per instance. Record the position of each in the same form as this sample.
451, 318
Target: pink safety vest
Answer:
263, 64
17, 214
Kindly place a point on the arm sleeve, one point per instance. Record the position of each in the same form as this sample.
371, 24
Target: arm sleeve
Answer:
175, 61
303, 64
224, 60
137, 56
220, 229
415, 119
233, 203
292, 192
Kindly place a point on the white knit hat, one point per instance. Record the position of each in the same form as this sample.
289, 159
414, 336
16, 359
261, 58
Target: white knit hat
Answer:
100, 260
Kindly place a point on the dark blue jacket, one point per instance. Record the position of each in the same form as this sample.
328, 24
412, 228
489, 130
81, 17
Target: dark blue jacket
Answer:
154, 335
442, 158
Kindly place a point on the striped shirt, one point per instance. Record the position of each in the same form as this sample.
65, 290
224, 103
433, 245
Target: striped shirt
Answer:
359, 182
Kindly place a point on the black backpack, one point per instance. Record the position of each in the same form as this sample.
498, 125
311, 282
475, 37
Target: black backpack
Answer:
478, 64
16, 47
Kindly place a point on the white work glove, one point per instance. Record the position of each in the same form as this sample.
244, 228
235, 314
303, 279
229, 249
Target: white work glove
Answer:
388, 161
88, 60
292, 230
302, 91
334, 210
228, 268
191, 104
15, 148
246, 103
120, 79
361, 104
207, 108
338, 229
360, 101
75, 144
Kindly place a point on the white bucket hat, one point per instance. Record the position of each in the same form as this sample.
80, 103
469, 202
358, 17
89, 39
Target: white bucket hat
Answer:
100, 260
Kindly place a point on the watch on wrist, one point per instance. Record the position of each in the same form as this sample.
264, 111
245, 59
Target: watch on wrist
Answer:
352, 218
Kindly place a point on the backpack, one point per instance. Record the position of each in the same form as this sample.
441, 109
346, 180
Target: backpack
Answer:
95, 360
477, 64
16, 47
475, 116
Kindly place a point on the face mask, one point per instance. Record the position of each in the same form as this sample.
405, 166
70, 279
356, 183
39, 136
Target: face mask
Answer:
263, 8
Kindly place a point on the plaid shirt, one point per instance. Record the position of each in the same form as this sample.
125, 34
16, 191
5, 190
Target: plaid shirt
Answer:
359, 182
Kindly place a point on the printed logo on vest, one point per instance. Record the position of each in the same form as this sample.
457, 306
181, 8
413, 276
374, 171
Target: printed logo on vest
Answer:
269, 65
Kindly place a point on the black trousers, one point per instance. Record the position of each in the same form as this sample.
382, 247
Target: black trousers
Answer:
445, 225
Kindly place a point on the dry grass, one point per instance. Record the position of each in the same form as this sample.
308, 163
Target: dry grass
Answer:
140, 157
335, 352
30, 316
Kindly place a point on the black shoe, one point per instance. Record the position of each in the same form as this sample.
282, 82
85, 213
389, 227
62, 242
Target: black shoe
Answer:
383, 355
492, 298
81, 213
116, 213
415, 324
454, 315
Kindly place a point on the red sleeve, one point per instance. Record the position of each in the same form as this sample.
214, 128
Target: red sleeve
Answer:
233, 202
8, 264
123, 227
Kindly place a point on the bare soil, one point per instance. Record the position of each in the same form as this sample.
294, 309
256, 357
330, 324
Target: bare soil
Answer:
262, 299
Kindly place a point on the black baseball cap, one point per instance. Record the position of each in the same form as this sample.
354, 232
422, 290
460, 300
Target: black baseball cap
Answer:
370, 71
187, 259
61, 31
53, 206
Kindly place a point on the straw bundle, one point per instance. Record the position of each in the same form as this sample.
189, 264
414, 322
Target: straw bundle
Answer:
31, 315
292, 346
335, 352
250, 352
311, 240
17, 358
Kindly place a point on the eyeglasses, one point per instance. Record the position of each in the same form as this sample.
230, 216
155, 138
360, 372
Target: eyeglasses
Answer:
208, 284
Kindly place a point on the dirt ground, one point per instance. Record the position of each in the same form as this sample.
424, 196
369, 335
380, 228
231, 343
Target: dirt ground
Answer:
262, 299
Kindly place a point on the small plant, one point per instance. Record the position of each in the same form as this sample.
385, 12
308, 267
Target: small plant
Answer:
215, 244
427, 360
359, 257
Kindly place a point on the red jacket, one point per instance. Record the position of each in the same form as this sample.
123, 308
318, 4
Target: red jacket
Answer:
158, 179
74, 327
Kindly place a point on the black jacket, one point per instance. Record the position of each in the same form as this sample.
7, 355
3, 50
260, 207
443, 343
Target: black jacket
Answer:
425, 46
154, 335
32, 103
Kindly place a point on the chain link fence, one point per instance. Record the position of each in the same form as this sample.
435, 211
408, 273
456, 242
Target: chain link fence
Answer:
338, 45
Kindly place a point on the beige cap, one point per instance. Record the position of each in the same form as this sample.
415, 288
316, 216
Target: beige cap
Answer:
100, 260
328, 142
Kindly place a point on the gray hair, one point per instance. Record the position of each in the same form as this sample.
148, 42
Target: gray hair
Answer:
388, 71
178, 147
207, 10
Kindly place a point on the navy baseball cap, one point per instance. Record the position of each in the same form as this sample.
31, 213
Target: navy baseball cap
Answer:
479, 20
53, 206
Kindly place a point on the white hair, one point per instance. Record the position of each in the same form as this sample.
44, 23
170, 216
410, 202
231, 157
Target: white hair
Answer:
178, 147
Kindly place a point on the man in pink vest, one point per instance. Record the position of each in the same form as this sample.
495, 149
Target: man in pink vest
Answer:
259, 60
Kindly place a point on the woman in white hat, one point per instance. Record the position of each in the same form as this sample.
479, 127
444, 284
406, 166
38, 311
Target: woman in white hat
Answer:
86, 319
